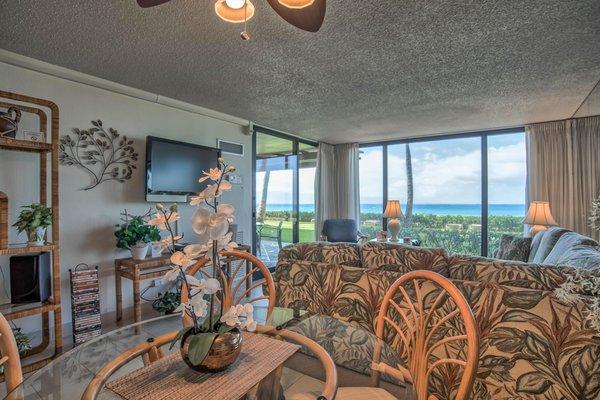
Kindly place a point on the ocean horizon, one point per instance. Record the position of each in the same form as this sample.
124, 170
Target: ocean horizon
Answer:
434, 209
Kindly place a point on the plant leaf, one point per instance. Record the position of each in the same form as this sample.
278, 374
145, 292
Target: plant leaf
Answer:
179, 335
199, 347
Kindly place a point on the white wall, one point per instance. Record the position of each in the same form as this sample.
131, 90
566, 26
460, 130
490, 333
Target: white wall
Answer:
87, 218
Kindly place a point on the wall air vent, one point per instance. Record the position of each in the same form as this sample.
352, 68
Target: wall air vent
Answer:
230, 147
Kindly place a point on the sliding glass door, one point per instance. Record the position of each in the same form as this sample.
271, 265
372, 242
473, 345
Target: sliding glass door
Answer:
458, 192
284, 209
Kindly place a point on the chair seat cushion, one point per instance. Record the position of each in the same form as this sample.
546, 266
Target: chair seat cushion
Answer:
349, 393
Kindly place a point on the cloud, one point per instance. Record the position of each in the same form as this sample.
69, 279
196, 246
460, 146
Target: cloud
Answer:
447, 172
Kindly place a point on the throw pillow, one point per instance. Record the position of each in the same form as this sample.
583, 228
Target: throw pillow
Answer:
515, 248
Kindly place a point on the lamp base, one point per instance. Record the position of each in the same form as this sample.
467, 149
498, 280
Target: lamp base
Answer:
535, 229
393, 227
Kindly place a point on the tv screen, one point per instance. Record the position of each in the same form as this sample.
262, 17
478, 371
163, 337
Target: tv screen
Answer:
173, 168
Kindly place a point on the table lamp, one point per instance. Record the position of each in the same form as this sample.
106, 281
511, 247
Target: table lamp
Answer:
393, 212
539, 217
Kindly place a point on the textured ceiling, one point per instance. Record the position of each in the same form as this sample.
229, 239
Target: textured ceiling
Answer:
377, 69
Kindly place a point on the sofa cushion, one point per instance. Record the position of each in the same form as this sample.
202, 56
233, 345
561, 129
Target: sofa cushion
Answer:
403, 258
324, 252
581, 256
535, 245
509, 273
547, 242
515, 248
565, 243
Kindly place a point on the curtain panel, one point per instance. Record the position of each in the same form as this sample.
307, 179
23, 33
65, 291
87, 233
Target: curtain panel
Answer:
336, 183
563, 168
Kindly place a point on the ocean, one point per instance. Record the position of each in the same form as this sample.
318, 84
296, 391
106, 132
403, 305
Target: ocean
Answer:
435, 209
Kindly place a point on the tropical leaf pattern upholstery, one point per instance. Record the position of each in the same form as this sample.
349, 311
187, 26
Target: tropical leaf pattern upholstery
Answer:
504, 272
531, 345
333, 253
403, 258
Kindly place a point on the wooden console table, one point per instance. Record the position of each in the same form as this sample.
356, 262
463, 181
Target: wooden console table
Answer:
152, 268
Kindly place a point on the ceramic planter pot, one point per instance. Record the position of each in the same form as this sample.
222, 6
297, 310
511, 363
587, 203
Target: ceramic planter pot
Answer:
157, 250
225, 350
139, 251
36, 237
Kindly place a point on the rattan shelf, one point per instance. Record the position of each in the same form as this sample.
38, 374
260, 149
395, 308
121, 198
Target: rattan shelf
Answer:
24, 145
48, 157
21, 249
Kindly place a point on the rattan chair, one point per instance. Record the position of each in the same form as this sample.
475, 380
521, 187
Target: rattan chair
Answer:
414, 318
13, 375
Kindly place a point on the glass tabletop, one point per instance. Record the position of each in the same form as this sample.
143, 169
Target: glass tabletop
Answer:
67, 376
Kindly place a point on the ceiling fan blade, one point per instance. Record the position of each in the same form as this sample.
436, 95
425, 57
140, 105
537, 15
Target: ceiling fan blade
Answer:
308, 18
151, 3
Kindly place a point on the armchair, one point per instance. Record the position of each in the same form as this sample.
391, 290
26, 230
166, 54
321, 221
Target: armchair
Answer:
341, 230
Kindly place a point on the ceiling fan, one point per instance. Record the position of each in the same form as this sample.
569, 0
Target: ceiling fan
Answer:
307, 15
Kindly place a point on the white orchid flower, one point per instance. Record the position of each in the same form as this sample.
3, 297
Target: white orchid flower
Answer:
249, 324
204, 286
170, 276
196, 305
213, 174
168, 241
181, 259
231, 317
161, 220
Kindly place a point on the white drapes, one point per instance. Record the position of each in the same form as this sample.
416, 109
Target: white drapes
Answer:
563, 168
336, 183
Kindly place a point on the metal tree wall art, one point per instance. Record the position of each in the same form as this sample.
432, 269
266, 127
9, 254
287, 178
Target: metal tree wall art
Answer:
103, 153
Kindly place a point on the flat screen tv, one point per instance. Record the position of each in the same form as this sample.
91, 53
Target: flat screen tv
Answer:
173, 168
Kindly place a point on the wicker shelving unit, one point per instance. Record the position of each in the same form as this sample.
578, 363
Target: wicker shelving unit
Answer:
47, 152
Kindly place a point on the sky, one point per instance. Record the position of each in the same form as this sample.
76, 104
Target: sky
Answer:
444, 172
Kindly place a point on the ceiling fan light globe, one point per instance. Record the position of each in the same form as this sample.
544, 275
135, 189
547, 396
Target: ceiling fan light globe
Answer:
233, 15
235, 4
296, 3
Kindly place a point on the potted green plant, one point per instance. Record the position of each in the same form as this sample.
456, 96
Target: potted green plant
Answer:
34, 219
135, 236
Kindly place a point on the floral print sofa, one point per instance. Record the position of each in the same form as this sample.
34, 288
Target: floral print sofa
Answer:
532, 345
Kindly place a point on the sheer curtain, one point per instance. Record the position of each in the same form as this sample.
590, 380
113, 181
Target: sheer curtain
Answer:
563, 168
336, 183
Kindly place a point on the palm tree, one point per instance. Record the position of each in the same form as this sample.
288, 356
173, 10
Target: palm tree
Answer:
262, 206
409, 189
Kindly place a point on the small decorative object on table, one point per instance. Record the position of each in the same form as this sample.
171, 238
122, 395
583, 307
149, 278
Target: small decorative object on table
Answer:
393, 212
33, 136
34, 219
85, 303
135, 235
382, 236
213, 339
407, 240
9, 122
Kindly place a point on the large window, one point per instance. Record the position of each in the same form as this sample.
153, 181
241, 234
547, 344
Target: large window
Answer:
284, 192
457, 192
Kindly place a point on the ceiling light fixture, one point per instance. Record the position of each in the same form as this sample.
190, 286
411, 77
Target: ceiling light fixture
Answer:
226, 11
296, 3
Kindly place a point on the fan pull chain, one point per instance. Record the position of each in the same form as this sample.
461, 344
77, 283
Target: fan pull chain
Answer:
245, 35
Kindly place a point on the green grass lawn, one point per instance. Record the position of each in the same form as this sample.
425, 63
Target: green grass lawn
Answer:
307, 231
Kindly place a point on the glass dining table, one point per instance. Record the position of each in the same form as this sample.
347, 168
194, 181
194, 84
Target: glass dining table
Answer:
68, 375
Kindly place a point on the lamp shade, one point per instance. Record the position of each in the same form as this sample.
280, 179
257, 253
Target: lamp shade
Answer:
235, 15
539, 214
392, 209
296, 3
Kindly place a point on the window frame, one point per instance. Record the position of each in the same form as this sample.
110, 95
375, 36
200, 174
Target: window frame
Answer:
483, 136
296, 182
